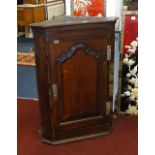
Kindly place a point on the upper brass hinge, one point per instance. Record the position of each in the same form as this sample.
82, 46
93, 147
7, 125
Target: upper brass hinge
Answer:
108, 52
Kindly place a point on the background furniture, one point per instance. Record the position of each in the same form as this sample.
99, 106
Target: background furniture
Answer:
32, 11
55, 9
28, 14
33, 1
73, 56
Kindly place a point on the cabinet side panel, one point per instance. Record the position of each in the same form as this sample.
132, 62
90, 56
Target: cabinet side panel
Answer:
43, 84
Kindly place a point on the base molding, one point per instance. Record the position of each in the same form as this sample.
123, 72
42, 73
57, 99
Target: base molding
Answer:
75, 138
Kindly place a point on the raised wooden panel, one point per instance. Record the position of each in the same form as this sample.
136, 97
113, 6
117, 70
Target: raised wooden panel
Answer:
80, 69
79, 87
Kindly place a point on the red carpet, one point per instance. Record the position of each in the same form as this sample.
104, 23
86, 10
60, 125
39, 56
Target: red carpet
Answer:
122, 141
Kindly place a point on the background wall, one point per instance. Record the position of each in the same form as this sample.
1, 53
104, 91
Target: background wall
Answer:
114, 8
68, 9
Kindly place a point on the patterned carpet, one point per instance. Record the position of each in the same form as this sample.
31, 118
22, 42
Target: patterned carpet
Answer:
26, 59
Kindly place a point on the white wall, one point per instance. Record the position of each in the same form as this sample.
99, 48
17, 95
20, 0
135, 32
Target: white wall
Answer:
68, 7
114, 8
110, 8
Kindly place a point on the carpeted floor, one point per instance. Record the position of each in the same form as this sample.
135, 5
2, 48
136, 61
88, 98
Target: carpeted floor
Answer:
24, 44
26, 59
26, 71
26, 82
122, 141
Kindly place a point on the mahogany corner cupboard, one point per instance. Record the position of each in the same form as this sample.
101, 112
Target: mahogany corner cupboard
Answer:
73, 56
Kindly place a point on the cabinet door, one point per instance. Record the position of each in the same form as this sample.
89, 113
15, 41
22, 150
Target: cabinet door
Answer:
79, 83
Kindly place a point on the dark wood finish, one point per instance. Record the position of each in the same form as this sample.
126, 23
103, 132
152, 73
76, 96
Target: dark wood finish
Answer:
73, 77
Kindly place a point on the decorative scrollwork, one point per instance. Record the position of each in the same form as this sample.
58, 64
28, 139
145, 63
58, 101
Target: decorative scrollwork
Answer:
73, 49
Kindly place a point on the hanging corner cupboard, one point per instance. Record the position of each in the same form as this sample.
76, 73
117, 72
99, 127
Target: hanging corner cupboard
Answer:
73, 56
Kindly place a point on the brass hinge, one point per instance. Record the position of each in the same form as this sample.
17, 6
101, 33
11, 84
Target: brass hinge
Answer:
108, 52
54, 90
108, 107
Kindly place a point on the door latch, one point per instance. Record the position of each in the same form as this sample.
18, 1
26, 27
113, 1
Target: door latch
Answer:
108, 52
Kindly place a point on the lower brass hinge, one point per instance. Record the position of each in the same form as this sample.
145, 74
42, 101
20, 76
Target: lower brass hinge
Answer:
54, 90
108, 107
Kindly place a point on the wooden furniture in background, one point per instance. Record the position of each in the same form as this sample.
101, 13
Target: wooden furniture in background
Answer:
55, 9
32, 11
28, 14
33, 1
73, 56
